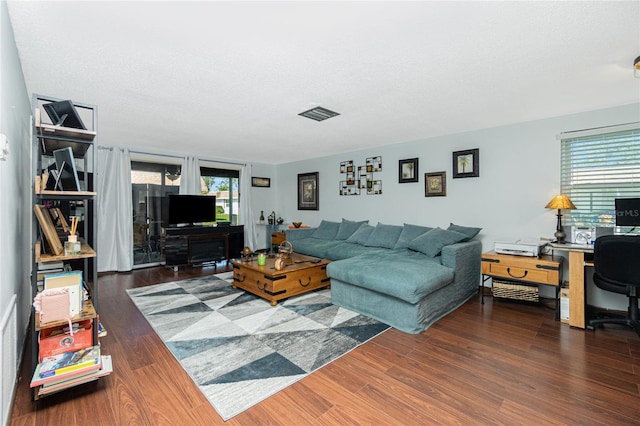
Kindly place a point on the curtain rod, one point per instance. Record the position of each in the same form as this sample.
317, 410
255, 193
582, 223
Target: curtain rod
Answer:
175, 156
182, 157
599, 130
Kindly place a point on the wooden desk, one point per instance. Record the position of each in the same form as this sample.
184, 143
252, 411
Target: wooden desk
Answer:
577, 293
545, 270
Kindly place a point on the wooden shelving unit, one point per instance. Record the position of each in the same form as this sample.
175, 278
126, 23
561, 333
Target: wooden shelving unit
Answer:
88, 312
46, 139
85, 252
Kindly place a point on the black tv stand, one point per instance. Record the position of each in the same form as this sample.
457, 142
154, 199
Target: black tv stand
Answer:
195, 245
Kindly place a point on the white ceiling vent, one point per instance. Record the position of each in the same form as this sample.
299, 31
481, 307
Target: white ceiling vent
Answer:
318, 113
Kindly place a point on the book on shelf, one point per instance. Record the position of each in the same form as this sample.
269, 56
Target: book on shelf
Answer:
42, 274
65, 366
71, 280
106, 368
45, 266
102, 332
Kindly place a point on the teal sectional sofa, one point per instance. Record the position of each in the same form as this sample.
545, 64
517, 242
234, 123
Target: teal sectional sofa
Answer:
406, 276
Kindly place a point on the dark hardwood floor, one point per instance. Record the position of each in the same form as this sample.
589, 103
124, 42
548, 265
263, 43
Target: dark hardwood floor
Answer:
497, 363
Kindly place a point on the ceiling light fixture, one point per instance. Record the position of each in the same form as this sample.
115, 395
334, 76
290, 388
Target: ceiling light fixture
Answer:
318, 113
636, 67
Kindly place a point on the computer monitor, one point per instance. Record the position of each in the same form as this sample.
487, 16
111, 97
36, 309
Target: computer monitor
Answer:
67, 173
627, 211
64, 113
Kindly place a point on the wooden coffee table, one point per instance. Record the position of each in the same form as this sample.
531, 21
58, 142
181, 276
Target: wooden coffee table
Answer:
300, 275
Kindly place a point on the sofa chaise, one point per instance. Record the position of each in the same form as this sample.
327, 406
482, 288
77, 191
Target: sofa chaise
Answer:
406, 276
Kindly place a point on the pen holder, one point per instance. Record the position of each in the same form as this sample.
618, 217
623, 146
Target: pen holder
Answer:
72, 245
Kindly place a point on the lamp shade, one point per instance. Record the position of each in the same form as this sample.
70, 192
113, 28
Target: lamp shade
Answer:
560, 202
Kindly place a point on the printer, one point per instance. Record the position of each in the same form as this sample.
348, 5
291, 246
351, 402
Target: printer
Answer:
523, 247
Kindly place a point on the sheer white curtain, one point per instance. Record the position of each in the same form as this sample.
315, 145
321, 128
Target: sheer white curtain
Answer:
246, 207
190, 176
115, 210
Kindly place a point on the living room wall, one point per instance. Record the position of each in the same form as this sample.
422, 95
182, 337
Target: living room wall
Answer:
519, 174
15, 256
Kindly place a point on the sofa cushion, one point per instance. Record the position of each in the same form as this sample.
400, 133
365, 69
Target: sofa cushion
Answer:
466, 230
409, 278
431, 242
315, 247
384, 236
347, 228
345, 250
361, 235
409, 233
327, 230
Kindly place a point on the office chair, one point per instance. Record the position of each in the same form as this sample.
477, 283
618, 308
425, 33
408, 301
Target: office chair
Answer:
616, 260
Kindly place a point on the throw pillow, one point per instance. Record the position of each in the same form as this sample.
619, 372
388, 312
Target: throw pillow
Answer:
361, 235
384, 236
409, 233
432, 242
327, 230
468, 231
347, 228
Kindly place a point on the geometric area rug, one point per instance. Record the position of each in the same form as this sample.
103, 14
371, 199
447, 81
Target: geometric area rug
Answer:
238, 348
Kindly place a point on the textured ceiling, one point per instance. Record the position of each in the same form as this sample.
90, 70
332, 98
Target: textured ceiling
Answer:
226, 80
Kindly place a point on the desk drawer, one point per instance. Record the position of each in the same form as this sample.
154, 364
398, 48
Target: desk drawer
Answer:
525, 274
521, 268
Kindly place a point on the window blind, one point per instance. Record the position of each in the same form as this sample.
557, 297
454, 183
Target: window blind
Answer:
595, 170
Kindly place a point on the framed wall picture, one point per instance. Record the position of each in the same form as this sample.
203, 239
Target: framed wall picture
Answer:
261, 182
435, 184
408, 170
466, 163
308, 191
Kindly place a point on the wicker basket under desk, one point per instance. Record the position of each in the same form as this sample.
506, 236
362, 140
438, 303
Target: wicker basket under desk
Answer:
514, 290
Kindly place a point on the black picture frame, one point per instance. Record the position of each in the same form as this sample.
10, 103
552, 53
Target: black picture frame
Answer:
66, 168
466, 163
261, 182
308, 191
408, 170
435, 184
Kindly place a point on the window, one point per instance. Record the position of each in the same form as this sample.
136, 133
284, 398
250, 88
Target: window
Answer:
223, 183
149, 183
598, 166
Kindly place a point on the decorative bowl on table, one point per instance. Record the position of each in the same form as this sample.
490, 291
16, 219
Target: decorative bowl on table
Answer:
296, 224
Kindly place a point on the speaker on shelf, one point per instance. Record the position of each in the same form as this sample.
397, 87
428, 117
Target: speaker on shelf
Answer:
588, 235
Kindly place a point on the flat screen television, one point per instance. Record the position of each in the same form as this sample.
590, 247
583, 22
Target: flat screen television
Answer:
627, 211
64, 113
67, 175
189, 210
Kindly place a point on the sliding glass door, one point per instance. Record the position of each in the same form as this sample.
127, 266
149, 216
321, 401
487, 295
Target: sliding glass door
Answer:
150, 182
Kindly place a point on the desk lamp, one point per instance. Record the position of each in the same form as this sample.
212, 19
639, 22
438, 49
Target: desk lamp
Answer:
560, 202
